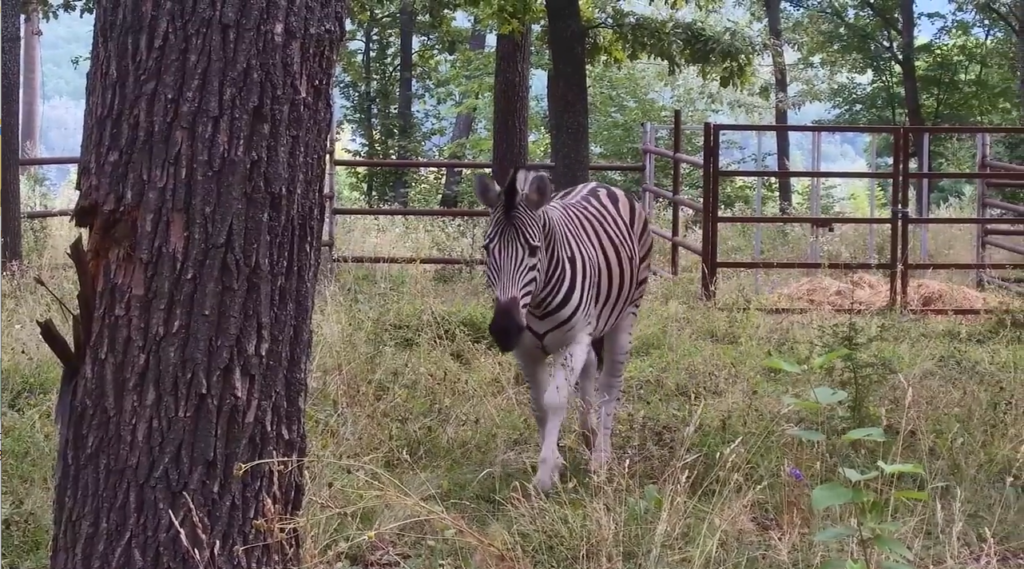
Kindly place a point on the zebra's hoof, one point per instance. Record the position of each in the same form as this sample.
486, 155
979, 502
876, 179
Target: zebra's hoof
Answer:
544, 483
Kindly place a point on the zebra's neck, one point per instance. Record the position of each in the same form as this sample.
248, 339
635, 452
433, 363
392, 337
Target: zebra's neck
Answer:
554, 260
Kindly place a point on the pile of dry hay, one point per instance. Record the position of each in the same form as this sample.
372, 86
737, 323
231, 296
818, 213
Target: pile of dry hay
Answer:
863, 291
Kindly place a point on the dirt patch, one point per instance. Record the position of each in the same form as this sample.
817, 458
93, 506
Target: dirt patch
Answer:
863, 291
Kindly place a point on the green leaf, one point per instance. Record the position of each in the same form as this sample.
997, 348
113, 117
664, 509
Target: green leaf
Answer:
855, 476
825, 359
918, 495
830, 494
866, 433
827, 395
652, 495
806, 434
800, 403
895, 565
888, 526
861, 495
834, 564
892, 545
859, 564
901, 468
835, 533
782, 365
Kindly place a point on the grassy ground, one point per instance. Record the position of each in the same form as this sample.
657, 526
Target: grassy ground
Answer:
422, 442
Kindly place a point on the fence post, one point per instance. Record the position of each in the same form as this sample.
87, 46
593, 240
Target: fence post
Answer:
329, 191
758, 207
894, 213
924, 188
677, 182
980, 254
707, 216
904, 256
647, 160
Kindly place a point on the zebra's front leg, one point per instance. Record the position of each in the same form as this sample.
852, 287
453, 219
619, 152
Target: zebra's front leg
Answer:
618, 344
551, 401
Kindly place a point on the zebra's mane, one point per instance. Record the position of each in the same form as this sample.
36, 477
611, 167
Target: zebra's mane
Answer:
517, 184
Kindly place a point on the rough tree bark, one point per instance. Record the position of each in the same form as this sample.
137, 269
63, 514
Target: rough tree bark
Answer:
407, 31
32, 84
568, 106
10, 178
511, 135
462, 130
205, 131
773, 11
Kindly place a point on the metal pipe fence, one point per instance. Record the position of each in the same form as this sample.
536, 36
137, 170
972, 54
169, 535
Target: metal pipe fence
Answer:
992, 178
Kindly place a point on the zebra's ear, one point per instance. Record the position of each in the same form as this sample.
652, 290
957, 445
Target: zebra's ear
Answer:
539, 191
486, 190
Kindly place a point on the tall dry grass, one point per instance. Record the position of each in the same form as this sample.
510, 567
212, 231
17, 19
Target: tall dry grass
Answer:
422, 442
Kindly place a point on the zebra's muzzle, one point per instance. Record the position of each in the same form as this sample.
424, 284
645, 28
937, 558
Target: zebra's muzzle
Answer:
507, 324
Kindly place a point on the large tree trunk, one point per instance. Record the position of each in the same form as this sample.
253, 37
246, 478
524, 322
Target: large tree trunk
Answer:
407, 30
773, 11
462, 130
510, 148
32, 84
10, 178
911, 95
567, 94
182, 435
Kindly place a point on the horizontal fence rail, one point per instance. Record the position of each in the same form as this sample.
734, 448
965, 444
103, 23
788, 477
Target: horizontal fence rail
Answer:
993, 178
329, 198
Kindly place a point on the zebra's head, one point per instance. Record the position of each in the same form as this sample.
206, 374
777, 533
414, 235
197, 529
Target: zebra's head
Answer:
513, 246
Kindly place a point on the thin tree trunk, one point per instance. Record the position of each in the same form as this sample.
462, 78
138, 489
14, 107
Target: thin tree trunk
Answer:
10, 177
407, 31
32, 84
911, 94
182, 433
369, 132
462, 130
568, 106
773, 11
511, 135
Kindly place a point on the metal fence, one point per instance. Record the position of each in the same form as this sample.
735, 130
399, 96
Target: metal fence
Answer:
991, 176
898, 265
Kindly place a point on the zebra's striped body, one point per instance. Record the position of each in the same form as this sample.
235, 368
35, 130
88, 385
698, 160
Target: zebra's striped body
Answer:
568, 272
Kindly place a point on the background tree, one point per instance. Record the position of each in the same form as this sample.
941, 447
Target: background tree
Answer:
10, 183
31, 82
463, 127
511, 132
181, 410
780, 99
406, 121
568, 105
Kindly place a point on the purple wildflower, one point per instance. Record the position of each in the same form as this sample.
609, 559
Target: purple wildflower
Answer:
796, 474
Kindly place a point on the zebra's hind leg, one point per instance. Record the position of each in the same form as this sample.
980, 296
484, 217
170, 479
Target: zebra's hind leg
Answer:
617, 346
588, 397
551, 401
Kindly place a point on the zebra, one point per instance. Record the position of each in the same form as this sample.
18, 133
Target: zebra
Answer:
568, 272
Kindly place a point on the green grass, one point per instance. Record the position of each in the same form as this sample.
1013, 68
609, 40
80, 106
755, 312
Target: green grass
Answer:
422, 443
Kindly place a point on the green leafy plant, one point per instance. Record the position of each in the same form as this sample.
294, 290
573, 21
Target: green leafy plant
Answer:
865, 496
